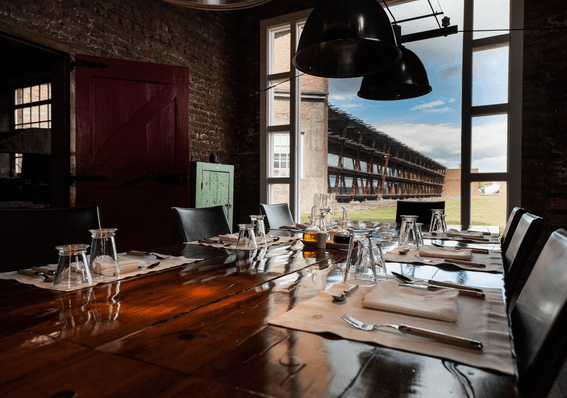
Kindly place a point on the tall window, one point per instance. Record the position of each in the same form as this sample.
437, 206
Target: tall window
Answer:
487, 57
32, 109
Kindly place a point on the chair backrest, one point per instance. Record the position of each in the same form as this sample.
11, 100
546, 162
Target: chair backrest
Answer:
277, 215
28, 236
539, 320
420, 209
523, 240
511, 225
200, 223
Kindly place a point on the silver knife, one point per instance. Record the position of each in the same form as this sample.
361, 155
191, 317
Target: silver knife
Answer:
462, 292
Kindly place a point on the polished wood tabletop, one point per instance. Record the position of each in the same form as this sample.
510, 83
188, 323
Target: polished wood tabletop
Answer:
202, 330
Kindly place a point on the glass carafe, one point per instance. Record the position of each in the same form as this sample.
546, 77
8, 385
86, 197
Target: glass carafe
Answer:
310, 233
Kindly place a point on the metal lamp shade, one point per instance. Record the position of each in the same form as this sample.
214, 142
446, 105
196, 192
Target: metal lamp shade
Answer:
218, 5
346, 38
405, 79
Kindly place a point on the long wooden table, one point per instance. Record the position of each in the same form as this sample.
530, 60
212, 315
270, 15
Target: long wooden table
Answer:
202, 330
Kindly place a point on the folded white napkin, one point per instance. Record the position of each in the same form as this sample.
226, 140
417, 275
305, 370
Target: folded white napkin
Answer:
453, 233
229, 238
389, 296
441, 252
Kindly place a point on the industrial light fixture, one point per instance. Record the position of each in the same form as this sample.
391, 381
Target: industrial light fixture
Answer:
406, 79
343, 39
219, 5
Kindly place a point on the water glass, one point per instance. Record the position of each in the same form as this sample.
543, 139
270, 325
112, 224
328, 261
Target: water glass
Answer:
72, 267
103, 258
259, 229
438, 223
365, 260
246, 239
408, 233
419, 232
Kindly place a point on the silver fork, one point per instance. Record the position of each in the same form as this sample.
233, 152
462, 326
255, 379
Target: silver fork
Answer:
430, 334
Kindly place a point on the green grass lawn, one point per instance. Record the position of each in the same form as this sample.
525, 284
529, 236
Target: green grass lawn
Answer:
486, 210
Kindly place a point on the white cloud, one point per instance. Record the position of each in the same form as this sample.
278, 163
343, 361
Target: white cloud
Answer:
442, 142
451, 100
428, 105
438, 110
349, 105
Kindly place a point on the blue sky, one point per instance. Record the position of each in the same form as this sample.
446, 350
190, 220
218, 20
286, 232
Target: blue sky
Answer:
431, 124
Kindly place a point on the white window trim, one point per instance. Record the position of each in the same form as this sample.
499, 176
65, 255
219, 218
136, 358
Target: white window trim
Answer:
293, 21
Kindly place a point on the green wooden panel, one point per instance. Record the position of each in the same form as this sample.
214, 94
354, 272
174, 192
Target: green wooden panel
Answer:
213, 185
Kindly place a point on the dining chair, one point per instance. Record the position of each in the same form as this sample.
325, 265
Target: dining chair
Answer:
277, 215
420, 209
28, 237
523, 240
539, 320
200, 223
511, 225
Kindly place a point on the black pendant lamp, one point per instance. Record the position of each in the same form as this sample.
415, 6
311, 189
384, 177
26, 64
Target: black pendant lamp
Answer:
346, 38
405, 79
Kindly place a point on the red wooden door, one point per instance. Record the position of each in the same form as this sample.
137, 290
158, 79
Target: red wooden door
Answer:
132, 147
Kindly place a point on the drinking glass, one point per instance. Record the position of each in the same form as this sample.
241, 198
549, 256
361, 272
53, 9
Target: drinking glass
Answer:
419, 233
365, 260
72, 267
103, 258
246, 239
408, 233
259, 229
438, 223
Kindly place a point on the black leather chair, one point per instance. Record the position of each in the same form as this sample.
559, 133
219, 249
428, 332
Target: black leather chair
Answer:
277, 215
420, 209
200, 223
539, 320
523, 240
28, 236
511, 225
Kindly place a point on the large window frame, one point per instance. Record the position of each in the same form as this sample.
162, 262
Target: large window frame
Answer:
293, 128
513, 109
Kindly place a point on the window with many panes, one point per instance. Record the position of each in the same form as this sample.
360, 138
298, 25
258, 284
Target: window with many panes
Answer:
32, 107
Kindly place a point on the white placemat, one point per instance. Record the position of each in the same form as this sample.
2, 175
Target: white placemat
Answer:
130, 266
484, 320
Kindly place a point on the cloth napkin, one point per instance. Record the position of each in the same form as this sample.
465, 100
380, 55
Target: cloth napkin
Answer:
441, 252
389, 296
233, 238
453, 233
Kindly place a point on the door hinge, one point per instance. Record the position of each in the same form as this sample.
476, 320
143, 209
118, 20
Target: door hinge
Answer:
88, 64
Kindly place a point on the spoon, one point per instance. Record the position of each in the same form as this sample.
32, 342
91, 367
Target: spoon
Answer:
344, 294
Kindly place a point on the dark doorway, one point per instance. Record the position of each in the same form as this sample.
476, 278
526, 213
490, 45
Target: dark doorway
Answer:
34, 125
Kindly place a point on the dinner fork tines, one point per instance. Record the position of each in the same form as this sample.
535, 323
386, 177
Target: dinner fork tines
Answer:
430, 334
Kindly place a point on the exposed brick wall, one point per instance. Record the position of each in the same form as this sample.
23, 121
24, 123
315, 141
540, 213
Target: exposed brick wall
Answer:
544, 135
155, 31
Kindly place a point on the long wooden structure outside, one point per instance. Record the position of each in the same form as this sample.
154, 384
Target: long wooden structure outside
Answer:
373, 165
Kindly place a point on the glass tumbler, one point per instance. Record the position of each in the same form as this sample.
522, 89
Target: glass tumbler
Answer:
419, 233
438, 223
408, 233
259, 229
103, 258
246, 239
365, 261
72, 268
